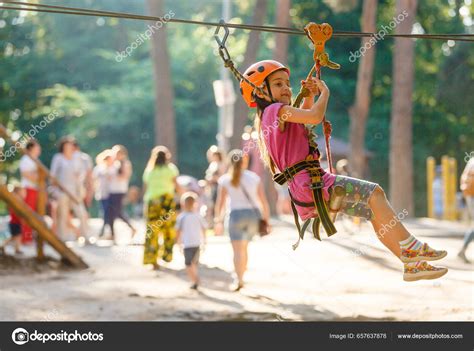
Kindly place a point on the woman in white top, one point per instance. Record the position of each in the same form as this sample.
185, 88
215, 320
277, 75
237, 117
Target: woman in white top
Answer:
243, 191
64, 169
118, 187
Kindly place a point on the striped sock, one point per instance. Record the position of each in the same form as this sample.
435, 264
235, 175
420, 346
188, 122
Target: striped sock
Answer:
411, 243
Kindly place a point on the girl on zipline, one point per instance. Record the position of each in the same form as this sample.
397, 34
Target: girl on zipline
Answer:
287, 146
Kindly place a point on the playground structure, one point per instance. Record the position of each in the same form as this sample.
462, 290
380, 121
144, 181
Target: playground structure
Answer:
447, 191
35, 219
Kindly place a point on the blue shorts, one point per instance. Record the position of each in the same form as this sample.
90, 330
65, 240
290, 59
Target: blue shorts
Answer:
243, 224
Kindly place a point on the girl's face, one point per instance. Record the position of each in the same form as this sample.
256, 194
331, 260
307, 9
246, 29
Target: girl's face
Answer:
280, 86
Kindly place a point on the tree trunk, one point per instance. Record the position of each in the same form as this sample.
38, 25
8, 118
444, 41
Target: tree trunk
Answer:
282, 19
165, 130
241, 110
401, 148
359, 111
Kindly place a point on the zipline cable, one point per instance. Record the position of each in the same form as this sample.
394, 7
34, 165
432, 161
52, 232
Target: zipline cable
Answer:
272, 29
245, 26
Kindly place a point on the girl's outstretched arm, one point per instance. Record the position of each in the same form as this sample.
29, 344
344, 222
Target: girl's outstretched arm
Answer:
314, 115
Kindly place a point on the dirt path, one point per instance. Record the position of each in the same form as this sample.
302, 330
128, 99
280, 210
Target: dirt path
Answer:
347, 277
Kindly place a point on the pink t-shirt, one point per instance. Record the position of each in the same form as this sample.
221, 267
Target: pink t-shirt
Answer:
288, 147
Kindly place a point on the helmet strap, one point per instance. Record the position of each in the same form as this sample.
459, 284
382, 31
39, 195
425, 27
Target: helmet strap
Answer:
267, 83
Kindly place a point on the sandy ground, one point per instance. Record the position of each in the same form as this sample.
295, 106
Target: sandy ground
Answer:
347, 277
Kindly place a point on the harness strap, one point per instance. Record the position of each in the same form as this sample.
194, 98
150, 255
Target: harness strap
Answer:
316, 225
305, 226
301, 233
323, 217
289, 173
299, 203
323, 212
295, 215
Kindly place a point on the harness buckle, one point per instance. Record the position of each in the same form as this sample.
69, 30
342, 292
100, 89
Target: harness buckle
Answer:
316, 185
291, 171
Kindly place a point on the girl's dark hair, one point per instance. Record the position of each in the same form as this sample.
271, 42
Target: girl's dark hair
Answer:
121, 167
65, 140
161, 158
262, 104
31, 144
219, 155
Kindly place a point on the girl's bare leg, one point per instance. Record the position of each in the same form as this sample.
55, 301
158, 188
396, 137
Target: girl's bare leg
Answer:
388, 228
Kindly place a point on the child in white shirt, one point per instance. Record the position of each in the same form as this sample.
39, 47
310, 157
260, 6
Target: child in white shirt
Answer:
190, 227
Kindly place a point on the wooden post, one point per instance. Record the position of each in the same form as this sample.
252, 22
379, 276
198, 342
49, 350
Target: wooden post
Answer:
36, 222
453, 187
445, 177
430, 176
41, 210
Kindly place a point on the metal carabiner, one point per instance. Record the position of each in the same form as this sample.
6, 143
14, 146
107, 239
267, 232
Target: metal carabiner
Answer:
222, 48
226, 33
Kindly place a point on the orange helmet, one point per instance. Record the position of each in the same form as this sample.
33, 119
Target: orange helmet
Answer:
257, 73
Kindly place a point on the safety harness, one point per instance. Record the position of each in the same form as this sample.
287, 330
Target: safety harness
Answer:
318, 34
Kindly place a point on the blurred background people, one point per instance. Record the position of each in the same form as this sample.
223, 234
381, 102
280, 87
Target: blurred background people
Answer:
214, 171
467, 188
160, 186
29, 182
84, 166
242, 190
64, 169
118, 187
14, 225
102, 175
